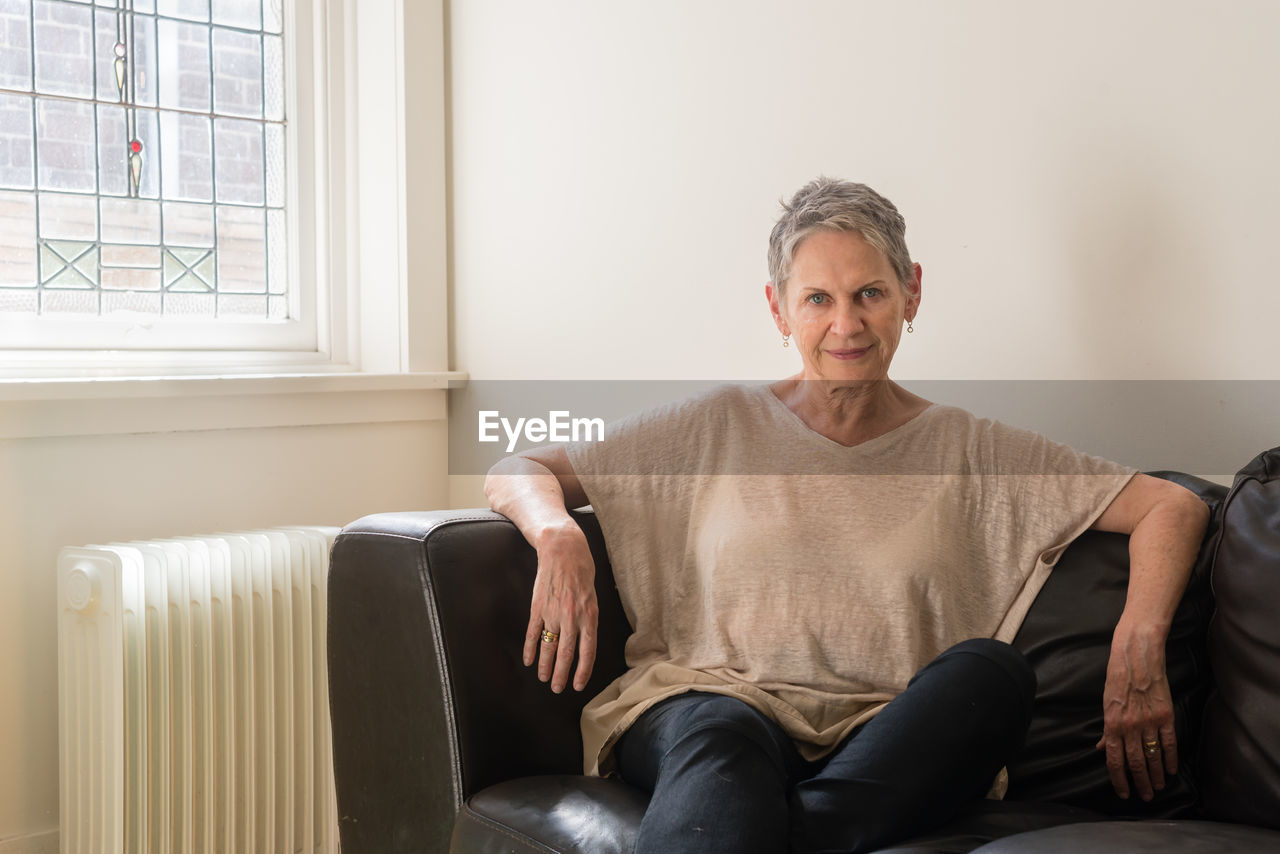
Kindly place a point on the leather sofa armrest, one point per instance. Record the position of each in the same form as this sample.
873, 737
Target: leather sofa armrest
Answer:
430, 701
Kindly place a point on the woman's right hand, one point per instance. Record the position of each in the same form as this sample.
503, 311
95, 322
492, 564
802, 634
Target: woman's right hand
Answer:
564, 603
534, 489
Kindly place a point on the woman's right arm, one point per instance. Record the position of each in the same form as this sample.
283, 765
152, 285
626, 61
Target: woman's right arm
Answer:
534, 490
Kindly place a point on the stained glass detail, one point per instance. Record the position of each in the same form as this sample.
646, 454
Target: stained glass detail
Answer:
143, 158
189, 270
119, 66
111, 71
68, 264
135, 166
146, 133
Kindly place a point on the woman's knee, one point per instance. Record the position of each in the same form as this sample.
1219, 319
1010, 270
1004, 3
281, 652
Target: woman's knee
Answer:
706, 727
730, 721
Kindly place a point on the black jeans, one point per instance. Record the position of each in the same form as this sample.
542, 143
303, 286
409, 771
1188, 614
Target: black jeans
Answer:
726, 778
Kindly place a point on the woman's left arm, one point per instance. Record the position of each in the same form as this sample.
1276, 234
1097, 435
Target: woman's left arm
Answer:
1165, 524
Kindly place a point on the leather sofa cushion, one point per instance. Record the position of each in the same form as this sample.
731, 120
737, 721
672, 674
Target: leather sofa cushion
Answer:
1240, 753
1128, 837
570, 814
988, 820
567, 814
1067, 639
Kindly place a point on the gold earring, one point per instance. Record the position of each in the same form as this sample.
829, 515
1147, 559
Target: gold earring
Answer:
786, 340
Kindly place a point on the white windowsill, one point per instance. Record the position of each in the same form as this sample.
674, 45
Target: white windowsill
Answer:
43, 408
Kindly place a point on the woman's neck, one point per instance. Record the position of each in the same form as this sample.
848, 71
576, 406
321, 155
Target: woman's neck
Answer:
849, 413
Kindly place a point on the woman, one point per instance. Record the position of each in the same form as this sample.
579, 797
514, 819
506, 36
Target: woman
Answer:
823, 575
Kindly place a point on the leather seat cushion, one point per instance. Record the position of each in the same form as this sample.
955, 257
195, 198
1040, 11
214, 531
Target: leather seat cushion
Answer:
568, 814
565, 814
1131, 837
989, 820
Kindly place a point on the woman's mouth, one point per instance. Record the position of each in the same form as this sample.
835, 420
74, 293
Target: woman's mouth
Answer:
851, 353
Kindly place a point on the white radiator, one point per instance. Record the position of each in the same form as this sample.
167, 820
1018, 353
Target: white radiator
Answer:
193, 700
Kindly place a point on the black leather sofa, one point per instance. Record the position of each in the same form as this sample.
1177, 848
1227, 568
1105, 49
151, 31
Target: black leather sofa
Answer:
443, 741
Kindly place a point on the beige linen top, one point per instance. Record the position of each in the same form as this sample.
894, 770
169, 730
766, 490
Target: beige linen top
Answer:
755, 557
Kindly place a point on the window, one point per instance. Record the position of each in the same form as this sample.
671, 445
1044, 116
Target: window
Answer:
146, 148
106, 274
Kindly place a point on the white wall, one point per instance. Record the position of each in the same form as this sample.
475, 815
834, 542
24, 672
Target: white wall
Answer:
1091, 186
82, 489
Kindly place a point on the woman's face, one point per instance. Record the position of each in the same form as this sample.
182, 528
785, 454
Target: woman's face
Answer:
844, 307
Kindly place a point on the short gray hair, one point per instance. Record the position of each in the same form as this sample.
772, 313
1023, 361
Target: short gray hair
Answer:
833, 205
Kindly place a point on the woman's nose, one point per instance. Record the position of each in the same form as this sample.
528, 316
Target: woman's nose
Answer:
849, 320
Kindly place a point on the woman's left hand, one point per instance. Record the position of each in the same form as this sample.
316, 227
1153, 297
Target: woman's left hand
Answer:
1138, 733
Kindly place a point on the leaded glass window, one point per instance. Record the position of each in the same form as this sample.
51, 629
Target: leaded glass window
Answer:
142, 159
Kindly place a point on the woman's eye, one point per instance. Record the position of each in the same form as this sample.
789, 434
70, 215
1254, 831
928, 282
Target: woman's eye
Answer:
870, 293
817, 299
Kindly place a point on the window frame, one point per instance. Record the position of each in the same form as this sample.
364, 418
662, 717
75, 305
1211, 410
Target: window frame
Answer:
346, 184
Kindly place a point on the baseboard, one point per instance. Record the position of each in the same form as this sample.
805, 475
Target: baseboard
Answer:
45, 842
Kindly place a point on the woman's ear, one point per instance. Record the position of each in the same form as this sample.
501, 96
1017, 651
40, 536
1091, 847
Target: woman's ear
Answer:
913, 291
775, 308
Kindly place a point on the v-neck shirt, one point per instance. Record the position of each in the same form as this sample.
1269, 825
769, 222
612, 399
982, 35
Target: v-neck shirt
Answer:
758, 558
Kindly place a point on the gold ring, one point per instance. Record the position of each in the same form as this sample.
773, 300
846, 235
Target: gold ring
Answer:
1151, 748
549, 636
